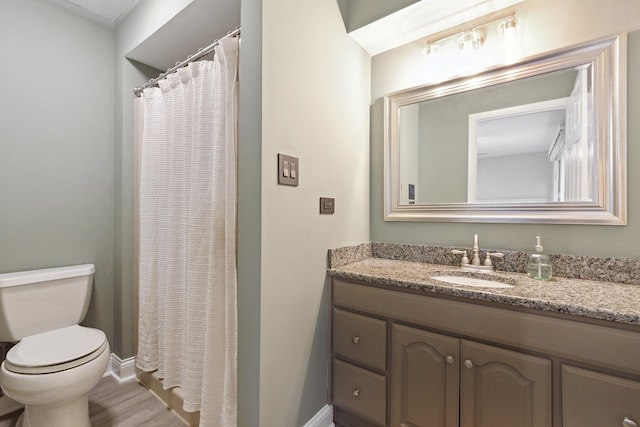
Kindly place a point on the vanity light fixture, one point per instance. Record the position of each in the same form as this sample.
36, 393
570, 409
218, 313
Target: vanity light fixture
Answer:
418, 20
502, 37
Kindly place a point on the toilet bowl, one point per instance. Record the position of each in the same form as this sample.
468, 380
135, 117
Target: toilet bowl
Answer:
56, 362
52, 372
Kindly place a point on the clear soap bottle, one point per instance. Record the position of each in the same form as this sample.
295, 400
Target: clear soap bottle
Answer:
539, 264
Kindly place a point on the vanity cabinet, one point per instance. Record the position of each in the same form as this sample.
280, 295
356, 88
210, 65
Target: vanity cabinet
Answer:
438, 380
406, 360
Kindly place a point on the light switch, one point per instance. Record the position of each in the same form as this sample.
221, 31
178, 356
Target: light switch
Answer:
288, 170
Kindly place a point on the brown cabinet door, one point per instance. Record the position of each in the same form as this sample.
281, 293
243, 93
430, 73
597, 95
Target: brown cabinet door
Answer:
424, 378
594, 399
503, 388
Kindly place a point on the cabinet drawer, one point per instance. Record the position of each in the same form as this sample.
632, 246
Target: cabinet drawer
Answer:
360, 338
360, 391
594, 399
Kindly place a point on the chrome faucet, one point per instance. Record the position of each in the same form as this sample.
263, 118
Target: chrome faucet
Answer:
476, 264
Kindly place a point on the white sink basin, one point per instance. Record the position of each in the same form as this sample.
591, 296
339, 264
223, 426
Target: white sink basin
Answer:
471, 281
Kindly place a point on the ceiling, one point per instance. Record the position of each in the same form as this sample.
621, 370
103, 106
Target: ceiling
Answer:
534, 132
108, 10
196, 26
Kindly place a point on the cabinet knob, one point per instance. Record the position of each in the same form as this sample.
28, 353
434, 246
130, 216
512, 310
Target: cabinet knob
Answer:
449, 360
628, 422
356, 392
468, 364
355, 339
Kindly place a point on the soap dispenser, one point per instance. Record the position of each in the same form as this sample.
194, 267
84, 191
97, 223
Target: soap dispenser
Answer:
539, 263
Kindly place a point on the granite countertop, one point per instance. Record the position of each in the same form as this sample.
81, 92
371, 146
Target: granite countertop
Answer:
614, 302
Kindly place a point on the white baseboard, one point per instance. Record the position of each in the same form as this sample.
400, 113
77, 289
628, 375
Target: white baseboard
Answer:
121, 370
324, 418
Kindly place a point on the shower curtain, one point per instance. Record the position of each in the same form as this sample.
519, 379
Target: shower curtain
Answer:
187, 327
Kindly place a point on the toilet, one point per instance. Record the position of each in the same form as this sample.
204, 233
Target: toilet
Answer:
56, 362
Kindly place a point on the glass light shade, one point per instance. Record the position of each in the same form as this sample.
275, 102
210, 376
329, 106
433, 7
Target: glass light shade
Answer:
510, 38
470, 40
510, 25
431, 49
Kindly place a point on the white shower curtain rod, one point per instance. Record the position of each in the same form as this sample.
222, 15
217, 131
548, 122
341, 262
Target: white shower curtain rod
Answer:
201, 52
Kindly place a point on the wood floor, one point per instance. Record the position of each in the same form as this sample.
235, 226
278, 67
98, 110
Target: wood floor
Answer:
128, 404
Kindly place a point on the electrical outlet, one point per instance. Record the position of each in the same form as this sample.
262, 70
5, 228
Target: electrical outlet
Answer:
327, 205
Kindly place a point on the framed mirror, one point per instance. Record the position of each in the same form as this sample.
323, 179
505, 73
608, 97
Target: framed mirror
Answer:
539, 141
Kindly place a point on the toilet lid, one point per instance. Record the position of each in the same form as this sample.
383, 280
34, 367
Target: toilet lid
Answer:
55, 350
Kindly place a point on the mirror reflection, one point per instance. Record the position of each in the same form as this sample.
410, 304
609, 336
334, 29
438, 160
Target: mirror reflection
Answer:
524, 141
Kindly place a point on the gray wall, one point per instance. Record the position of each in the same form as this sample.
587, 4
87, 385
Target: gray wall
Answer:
249, 214
614, 241
56, 149
130, 74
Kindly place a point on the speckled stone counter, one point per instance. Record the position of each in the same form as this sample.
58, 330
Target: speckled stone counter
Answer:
615, 302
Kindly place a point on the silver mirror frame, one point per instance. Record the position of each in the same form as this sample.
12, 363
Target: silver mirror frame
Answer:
608, 58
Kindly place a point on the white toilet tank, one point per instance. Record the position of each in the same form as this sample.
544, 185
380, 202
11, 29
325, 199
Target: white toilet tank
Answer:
38, 301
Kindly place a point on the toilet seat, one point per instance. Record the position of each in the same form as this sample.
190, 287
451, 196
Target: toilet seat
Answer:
56, 350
